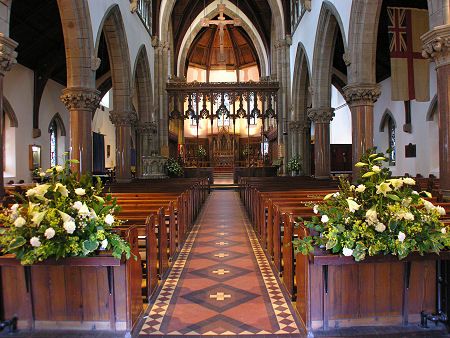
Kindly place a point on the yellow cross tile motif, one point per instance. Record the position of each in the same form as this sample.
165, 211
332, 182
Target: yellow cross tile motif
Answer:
221, 271
222, 243
221, 255
220, 296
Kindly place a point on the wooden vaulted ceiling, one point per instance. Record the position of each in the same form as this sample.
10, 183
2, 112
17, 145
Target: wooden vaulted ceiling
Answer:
184, 12
239, 51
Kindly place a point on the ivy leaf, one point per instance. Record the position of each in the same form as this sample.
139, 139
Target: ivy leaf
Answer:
90, 246
17, 243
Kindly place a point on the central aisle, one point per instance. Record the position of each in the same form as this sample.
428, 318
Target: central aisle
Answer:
221, 283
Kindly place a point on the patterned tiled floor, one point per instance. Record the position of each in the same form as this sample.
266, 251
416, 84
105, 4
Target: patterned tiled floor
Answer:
221, 283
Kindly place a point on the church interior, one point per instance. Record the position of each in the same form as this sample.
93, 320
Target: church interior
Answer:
271, 168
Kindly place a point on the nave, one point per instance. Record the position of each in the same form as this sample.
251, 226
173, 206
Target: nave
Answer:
221, 283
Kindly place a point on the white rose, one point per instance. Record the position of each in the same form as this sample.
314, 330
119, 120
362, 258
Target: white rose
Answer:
77, 205
49, 233
444, 230
59, 168
380, 227
409, 181
324, 219
35, 242
109, 219
316, 209
347, 252
103, 244
80, 191
360, 188
69, 226
408, 216
401, 236
440, 210
376, 169
19, 222
336, 194
371, 216
84, 210
14, 207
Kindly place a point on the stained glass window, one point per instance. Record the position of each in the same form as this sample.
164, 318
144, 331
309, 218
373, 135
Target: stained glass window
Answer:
53, 144
391, 133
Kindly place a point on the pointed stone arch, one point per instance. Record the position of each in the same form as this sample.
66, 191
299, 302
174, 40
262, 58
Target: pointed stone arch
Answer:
113, 28
9, 111
301, 100
328, 27
384, 119
142, 90
59, 123
432, 109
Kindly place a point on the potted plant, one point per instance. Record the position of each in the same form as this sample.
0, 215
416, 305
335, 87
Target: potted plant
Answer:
174, 168
380, 215
201, 152
65, 217
294, 165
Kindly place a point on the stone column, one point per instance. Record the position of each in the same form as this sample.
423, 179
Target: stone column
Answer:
283, 101
296, 129
81, 104
321, 117
123, 122
7, 60
161, 97
146, 134
437, 48
360, 98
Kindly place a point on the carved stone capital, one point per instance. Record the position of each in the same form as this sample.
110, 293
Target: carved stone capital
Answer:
436, 45
134, 5
306, 4
8, 54
296, 126
362, 94
80, 98
147, 128
123, 119
321, 114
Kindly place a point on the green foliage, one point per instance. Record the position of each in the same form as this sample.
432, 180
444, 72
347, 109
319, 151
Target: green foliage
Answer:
294, 164
64, 217
174, 168
201, 152
378, 215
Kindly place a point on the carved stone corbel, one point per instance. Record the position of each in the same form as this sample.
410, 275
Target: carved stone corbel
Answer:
436, 45
8, 54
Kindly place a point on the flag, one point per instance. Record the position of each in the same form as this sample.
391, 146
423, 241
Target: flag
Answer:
409, 70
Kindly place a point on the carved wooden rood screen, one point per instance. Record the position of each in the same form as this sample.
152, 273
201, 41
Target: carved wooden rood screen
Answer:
223, 101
